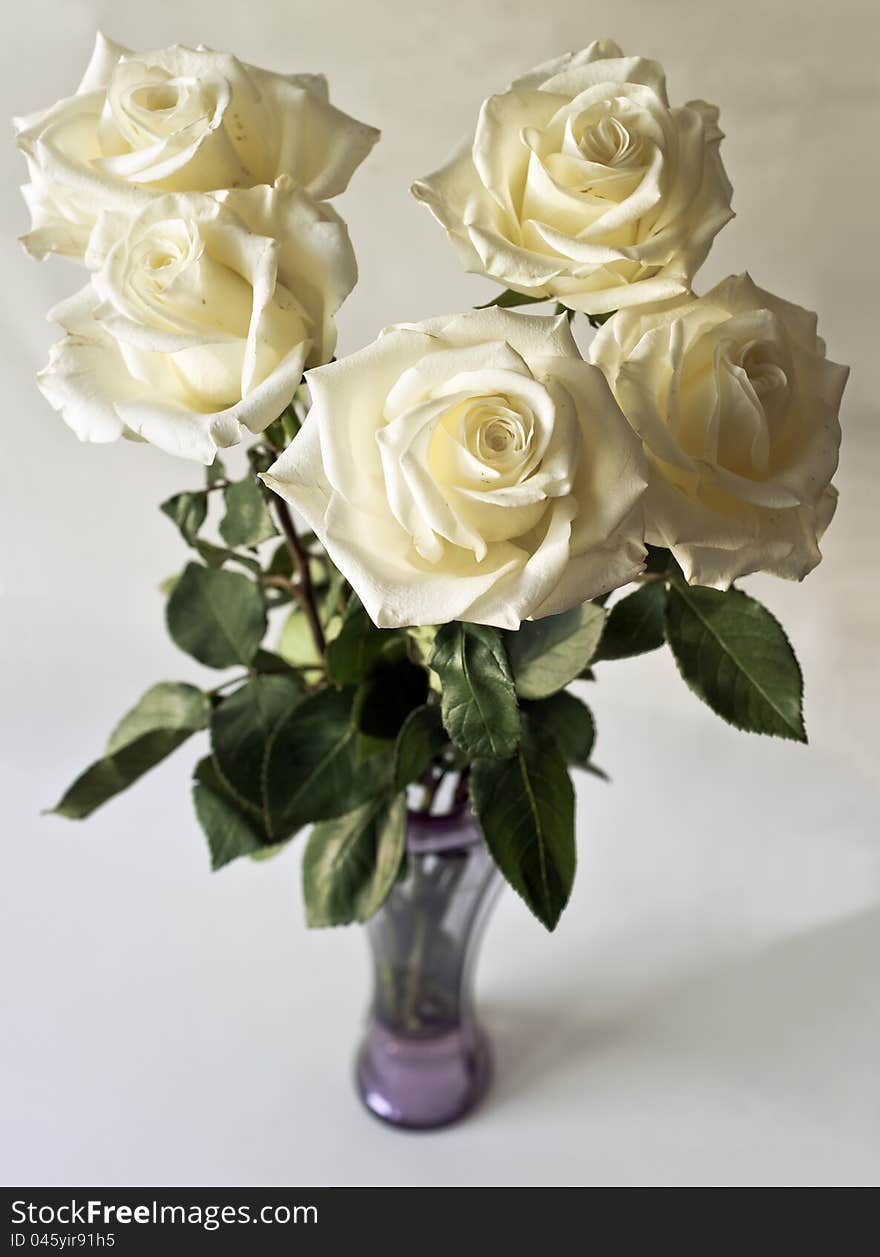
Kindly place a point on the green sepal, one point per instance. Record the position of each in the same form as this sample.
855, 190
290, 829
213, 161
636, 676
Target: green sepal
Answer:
282, 431
508, 298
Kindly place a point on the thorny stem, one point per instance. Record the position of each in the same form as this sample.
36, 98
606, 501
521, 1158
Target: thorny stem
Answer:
304, 589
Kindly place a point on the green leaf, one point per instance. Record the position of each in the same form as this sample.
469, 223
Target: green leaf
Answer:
736, 657
297, 646
525, 806
216, 556
545, 655
296, 643
269, 852
478, 701
421, 737
270, 664
168, 705
167, 585
366, 746
217, 617
420, 644
260, 459
111, 775
357, 646
229, 829
240, 729
247, 521
661, 562
158, 723
330, 582
596, 320
566, 720
635, 624
510, 298
389, 694
312, 768
350, 864
215, 472
281, 563
188, 511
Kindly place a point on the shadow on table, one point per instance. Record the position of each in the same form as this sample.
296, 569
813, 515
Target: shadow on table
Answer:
800, 1018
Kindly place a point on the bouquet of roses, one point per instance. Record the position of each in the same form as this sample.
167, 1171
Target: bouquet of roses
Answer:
439, 533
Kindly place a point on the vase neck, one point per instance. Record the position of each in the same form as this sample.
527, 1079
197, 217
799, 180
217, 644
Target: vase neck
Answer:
426, 833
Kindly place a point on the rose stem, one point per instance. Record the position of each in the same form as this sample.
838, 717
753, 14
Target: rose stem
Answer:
304, 589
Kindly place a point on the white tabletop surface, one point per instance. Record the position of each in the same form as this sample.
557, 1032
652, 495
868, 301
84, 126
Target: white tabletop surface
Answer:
709, 1009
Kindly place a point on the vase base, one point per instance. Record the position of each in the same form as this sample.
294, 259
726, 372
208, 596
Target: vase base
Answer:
423, 1084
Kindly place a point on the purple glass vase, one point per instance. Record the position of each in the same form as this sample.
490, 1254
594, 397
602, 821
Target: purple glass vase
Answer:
424, 1061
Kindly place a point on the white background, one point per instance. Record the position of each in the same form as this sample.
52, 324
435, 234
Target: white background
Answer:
709, 1009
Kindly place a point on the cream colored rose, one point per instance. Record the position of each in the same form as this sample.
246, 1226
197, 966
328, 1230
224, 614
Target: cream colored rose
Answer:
582, 184
177, 120
201, 318
736, 404
472, 467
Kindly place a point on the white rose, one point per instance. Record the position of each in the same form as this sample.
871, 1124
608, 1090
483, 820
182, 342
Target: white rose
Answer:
177, 120
201, 318
582, 184
471, 467
736, 404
